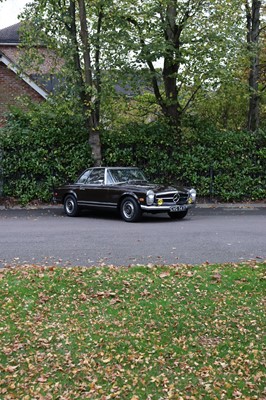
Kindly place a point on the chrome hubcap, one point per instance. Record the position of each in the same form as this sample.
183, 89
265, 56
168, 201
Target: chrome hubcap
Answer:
70, 206
128, 209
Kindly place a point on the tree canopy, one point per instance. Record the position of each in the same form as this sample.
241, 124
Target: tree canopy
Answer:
187, 50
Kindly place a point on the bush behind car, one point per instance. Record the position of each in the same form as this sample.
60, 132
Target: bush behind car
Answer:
46, 147
223, 164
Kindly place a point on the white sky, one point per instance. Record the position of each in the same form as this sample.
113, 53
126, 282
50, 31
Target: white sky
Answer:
9, 10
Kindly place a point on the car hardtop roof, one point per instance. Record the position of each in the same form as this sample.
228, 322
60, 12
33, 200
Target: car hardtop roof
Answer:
122, 167
114, 167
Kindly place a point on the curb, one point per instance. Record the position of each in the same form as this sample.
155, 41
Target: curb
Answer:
232, 205
243, 206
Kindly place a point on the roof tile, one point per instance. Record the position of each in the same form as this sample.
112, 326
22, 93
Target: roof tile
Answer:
10, 34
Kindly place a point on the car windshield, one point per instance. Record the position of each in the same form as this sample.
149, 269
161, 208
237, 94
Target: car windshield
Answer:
127, 175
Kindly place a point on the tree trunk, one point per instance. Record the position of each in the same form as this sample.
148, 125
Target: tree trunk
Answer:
98, 80
72, 28
91, 114
253, 33
172, 107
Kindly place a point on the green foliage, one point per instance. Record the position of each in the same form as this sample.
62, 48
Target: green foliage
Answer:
42, 147
225, 106
237, 160
47, 145
223, 164
148, 146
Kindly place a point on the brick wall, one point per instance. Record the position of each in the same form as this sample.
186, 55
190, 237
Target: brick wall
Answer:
12, 87
51, 62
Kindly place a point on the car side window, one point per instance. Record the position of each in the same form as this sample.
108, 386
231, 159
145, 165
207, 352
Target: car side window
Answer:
96, 177
109, 178
83, 178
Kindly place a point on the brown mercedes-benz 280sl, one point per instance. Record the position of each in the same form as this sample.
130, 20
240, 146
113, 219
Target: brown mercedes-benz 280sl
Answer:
124, 189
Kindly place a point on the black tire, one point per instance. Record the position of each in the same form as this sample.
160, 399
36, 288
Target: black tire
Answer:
177, 215
130, 210
71, 206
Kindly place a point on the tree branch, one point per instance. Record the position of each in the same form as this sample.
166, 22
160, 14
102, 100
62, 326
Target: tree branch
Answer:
149, 63
192, 97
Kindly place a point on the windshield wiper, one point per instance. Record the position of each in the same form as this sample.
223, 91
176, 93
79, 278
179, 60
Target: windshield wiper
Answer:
137, 181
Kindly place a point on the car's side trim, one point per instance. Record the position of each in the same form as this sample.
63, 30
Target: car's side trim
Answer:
97, 204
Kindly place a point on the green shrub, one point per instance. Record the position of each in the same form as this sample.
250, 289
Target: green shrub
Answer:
222, 164
42, 147
48, 145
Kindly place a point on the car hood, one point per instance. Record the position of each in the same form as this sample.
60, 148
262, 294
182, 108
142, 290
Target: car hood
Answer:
155, 187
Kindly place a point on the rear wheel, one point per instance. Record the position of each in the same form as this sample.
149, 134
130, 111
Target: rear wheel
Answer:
71, 206
130, 210
177, 215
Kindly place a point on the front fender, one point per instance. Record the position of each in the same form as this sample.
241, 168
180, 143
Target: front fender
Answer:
128, 194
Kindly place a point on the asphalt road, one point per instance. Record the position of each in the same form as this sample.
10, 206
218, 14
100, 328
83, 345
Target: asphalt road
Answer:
207, 234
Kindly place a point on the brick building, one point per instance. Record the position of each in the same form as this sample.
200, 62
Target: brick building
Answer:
14, 84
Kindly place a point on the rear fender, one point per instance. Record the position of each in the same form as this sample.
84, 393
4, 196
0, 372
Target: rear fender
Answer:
71, 192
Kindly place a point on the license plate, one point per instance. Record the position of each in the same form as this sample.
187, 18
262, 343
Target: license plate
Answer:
178, 208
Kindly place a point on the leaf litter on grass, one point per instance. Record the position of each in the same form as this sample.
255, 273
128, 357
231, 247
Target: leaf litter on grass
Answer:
144, 332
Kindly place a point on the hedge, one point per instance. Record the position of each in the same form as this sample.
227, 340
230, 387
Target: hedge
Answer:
224, 165
41, 149
45, 147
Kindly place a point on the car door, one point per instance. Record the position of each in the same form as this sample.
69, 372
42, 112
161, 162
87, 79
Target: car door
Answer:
93, 192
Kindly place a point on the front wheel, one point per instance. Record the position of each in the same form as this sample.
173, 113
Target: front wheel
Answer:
177, 215
130, 210
71, 206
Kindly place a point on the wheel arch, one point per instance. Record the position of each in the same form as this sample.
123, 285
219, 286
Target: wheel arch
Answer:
124, 195
71, 192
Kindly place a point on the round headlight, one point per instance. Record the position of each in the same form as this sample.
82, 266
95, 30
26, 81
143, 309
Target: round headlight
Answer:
192, 195
150, 197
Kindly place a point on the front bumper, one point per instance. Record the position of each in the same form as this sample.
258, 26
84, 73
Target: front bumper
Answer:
164, 208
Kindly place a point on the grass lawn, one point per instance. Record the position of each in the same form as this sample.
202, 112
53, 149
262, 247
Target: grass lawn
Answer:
143, 332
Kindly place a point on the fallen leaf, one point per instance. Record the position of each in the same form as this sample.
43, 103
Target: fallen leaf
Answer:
164, 275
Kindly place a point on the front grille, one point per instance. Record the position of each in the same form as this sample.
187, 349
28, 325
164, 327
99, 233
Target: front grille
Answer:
168, 197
